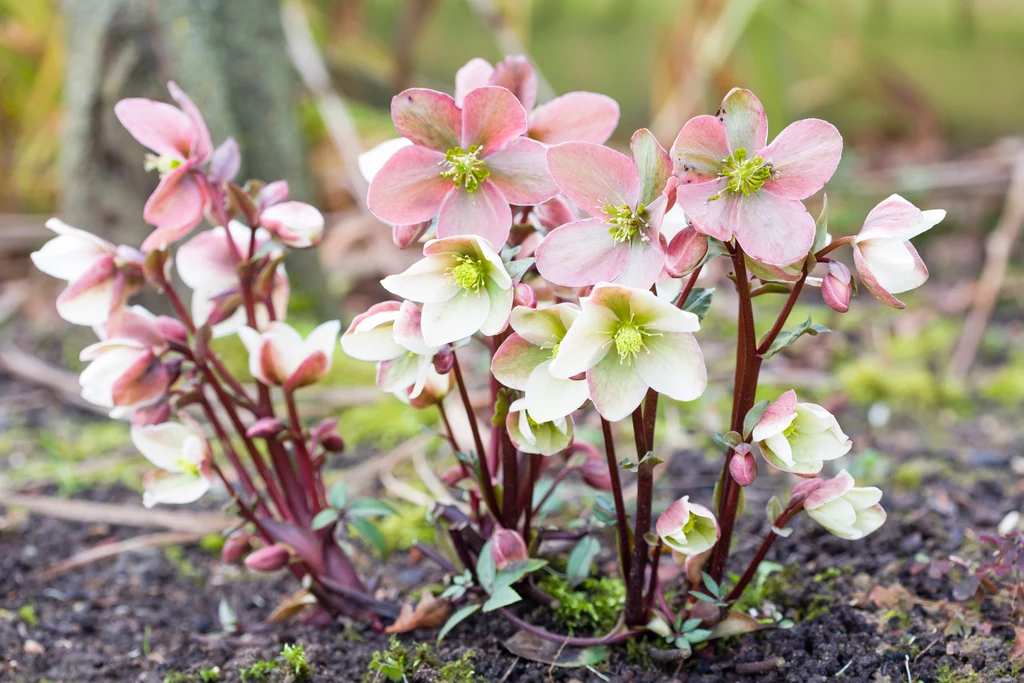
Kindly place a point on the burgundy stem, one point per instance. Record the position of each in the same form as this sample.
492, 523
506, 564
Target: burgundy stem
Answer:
635, 612
795, 506
486, 484
621, 528
681, 301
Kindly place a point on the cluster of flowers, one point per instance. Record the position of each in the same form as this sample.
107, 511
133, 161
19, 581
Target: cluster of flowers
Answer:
575, 266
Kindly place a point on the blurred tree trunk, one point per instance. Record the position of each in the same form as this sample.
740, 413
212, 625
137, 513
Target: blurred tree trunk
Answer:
229, 57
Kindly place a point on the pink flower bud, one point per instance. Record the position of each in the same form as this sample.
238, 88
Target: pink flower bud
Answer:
333, 443
265, 428
837, 287
268, 559
507, 546
326, 434
279, 356
595, 468
444, 359
407, 235
154, 414
685, 252
171, 329
743, 465
236, 546
272, 193
523, 295
453, 475
225, 162
294, 224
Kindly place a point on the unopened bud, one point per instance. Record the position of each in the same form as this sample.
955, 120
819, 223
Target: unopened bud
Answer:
444, 359
837, 287
743, 465
407, 235
685, 252
155, 267
523, 295
272, 193
268, 559
508, 546
595, 468
333, 443
153, 414
236, 546
265, 428
171, 329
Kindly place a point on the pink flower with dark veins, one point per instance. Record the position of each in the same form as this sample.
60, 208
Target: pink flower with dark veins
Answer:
181, 143
626, 199
732, 185
466, 165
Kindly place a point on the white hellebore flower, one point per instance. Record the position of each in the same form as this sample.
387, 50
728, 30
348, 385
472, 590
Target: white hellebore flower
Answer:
530, 435
799, 437
687, 528
463, 286
278, 356
628, 340
886, 260
523, 361
183, 457
848, 511
390, 333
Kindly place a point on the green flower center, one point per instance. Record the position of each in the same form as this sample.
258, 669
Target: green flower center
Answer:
745, 175
627, 223
789, 431
690, 523
464, 167
469, 273
629, 340
162, 164
188, 467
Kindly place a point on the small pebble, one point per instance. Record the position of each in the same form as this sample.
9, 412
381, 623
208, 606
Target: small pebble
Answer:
33, 647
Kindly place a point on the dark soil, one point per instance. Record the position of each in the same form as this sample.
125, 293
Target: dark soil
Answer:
150, 613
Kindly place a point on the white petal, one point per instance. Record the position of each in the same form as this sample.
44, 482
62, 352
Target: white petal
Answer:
549, 398
455, 319
673, 365
586, 342
162, 444
426, 281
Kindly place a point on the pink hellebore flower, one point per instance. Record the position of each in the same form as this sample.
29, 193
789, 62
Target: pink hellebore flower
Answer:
463, 286
799, 437
207, 265
278, 356
183, 457
508, 547
731, 184
125, 371
181, 143
390, 334
885, 259
466, 165
530, 435
626, 199
523, 361
100, 276
294, 224
688, 528
846, 510
628, 340
580, 116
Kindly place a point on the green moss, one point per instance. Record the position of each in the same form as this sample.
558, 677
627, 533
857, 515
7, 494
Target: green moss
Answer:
177, 677
820, 604
175, 556
897, 619
294, 656
27, 613
911, 474
212, 543
594, 605
210, 675
258, 672
400, 531
1007, 385
398, 662
946, 674
459, 670
385, 423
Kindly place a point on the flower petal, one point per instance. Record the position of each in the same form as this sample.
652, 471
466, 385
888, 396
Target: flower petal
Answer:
653, 165
772, 229
501, 299
586, 342
515, 359
408, 330
455, 319
491, 118
708, 216
515, 73
71, 253
202, 145
776, 417
484, 212
372, 161
205, 262
581, 253
699, 150
745, 122
803, 157
428, 118
425, 281
89, 299
870, 280
654, 313
896, 265
520, 171
616, 388
673, 365
544, 326
370, 335
594, 177
644, 265
549, 398
159, 126
173, 489
409, 188
175, 207
473, 74
575, 116
162, 444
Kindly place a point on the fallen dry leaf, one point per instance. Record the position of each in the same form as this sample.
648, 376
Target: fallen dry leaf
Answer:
892, 597
429, 612
291, 606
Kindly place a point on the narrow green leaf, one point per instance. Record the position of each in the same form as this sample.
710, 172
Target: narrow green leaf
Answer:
369, 507
369, 533
515, 572
485, 569
324, 519
338, 496
711, 585
754, 416
698, 301
455, 619
580, 560
705, 597
789, 336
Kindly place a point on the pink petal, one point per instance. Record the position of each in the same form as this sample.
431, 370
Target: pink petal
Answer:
310, 371
428, 118
674, 518
869, 280
491, 118
161, 127
652, 165
484, 212
829, 490
581, 253
554, 213
143, 382
575, 116
175, 207
202, 146
699, 150
474, 74
515, 73
594, 177
515, 359
409, 188
644, 265
776, 417
804, 156
685, 252
89, 299
771, 229
708, 217
745, 123
890, 218
520, 171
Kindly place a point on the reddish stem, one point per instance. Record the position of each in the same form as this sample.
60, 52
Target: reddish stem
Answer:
681, 301
621, 528
486, 484
795, 506
567, 641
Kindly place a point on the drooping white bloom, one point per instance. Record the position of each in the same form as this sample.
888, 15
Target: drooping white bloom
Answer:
799, 437
532, 436
182, 455
848, 511
279, 356
688, 528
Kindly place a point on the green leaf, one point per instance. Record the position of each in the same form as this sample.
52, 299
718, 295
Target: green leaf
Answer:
515, 571
698, 301
698, 635
502, 597
604, 510
580, 559
371, 534
754, 416
689, 624
338, 496
455, 619
369, 507
517, 269
728, 441
788, 337
773, 509
227, 616
711, 585
821, 228
704, 596
485, 569
324, 519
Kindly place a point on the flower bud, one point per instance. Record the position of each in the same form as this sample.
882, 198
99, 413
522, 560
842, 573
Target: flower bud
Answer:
225, 162
837, 287
444, 359
268, 559
688, 528
508, 546
171, 329
265, 428
406, 235
156, 413
523, 295
333, 443
848, 511
453, 475
743, 465
272, 193
294, 224
595, 468
799, 437
685, 252
235, 547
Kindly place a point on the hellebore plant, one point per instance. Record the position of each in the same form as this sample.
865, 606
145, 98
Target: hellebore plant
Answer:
595, 331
